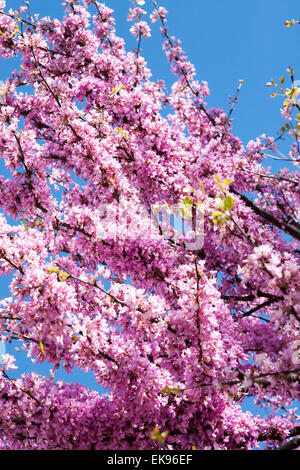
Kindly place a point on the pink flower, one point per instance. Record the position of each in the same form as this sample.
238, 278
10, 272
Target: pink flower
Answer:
141, 28
160, 13
8, 362
135, 14
101, 281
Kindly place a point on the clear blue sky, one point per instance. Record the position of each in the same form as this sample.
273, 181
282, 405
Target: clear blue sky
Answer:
226, 41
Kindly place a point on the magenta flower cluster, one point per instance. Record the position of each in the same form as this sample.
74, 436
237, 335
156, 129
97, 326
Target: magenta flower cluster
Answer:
180, 337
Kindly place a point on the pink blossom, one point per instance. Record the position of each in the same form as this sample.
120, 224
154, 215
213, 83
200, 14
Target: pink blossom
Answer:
141, 28
8, 361
161, 12
101, 280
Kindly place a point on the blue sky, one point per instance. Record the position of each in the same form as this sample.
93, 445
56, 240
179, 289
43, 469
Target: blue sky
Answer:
227, 41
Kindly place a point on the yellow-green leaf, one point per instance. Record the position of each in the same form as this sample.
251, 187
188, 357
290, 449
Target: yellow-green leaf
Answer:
120, 131
289, 23
220, 202
52, 270
201, 185
228, 203
171, 390
188, 201
219, 218
62, 276
216, 214
42, 347
185, 213
294, 93
158, 436
226, 181
200, 207
119, 88
185, 208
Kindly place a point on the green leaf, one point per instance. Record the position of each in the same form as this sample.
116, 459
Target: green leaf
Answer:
228, 203
188, 201
170, 390
219, 218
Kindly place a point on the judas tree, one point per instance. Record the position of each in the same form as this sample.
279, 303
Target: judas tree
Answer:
179, 326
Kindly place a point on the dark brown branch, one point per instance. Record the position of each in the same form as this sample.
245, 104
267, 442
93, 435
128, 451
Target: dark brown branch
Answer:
274, 436
287, 228
248, 298
96, 286
25, 390
290, 445
18, 19
43, 78
278, 178
258, 307
12, 263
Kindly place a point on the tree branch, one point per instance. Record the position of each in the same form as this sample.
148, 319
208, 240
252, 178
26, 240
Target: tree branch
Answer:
290, 445
287, 228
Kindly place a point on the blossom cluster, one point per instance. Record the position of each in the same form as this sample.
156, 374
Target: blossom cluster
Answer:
178, 337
